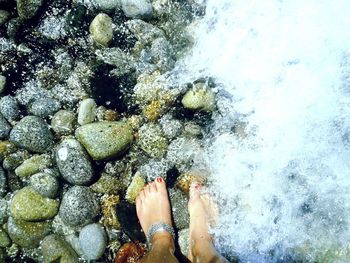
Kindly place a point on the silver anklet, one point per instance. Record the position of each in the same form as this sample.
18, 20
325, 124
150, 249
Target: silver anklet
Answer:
159, 227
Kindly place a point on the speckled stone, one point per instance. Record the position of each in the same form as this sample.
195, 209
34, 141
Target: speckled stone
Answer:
101, 29
79, 206
45, 184
33, 165
9, 108
64, 122
137, 8
73, 162
44, 107
105, 139
5, 127
55, 249
32, 133
27, 234
199, 98
93, 241
28, 8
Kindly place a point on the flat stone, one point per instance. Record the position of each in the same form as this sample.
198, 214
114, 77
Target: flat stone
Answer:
28, 8
105, 139
33, 165
79, 206
87, 111
9, 108
55, 249
45, 184
63, 122
5, 240
101, 29
93, 241
28, 205
73, 162
27, 234
32, 133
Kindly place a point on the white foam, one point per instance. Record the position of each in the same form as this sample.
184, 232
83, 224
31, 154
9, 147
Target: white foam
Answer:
285, 64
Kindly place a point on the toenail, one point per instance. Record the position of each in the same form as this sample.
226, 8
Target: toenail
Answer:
159, 179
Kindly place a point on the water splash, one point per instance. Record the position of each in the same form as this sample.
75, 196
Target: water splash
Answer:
283, 73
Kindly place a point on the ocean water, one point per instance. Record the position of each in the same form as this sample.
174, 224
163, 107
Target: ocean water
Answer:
278, 150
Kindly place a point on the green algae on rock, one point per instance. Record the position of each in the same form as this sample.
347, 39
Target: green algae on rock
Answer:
32, 133
6, 148
63, 122
107, 184
136, 185
28, 205
105, 139
200, 98
45, 184
5, 240
55, 249
33, 165
27, 234
27, 9
101, 29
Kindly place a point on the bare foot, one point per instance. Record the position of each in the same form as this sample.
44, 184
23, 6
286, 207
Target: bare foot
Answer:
152, 205
202, 212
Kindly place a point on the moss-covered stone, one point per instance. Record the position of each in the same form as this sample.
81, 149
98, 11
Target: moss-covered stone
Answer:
63, 122
13, 160
136, 185
27, 234
28, 205
200, 98
55, 249
105, 139
28, 8
5, 240
151, 140
6, 147
101, 29
33, 165
107, 184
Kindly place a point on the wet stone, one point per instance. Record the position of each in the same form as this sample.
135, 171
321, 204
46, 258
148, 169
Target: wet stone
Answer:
44, 107
2, 83
199, 98
5, 127
9, 108
55, 249
93, 241
4, 15
27, 234
107, 184
29, 205
3, 211
63, 122
45, 184
101, 29
34, 164
5, 240
79, 206
32, 133
105, 139
3, 182
137, 8
13, 160
28, 8
136, 185
152, 141
74, 163
87, 111
179, 207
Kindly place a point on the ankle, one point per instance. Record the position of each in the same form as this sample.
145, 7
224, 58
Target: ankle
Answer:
163, 240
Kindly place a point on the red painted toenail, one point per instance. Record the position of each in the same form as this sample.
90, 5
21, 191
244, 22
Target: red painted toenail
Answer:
159, 179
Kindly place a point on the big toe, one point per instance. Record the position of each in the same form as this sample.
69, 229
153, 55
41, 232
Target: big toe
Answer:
160, 185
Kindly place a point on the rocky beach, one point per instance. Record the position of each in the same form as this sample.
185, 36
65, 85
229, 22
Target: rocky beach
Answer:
88, 117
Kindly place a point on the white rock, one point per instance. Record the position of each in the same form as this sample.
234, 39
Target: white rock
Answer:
101, 29
87, 111
93, 241
137, 8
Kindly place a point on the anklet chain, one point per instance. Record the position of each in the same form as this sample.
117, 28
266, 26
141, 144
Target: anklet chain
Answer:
159, 227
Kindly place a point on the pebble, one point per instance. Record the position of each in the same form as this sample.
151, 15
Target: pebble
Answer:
63, 122
199, 98
87, 111
3, 211
45, 184
13, 160
4, 15
107, 5
6, 148
5, 240
73, 162
105, 139
101, 29
27, 234
152, 141
93, 241
33, 165
79, 206
9, 108
44, 107
32, 133
55, 249
137, 8
2, 83
3, 183
136, 185
5, 127
107, 184
29, 205
27, 9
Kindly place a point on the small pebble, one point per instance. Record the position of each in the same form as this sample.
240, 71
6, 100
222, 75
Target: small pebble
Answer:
2, 83
101, 29
9, 108
44, 184
87, 111
63, 122
44, 107
93, 241
137, 8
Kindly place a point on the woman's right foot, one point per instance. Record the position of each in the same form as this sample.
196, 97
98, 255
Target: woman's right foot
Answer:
202, 213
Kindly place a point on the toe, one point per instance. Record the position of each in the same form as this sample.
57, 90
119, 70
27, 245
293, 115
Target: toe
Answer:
152, 187
195, 190
160, 184
142, 195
